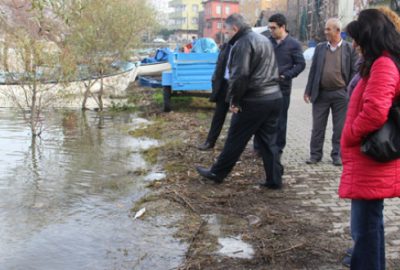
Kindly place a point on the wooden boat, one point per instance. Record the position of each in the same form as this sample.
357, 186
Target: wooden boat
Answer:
16, 91
156, 65
115, 83
153, 69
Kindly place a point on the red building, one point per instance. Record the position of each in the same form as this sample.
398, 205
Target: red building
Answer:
215, 13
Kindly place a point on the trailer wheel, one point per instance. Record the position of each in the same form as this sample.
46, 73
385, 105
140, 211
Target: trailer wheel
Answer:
167, 92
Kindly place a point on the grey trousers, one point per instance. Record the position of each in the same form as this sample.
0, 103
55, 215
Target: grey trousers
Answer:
328, 100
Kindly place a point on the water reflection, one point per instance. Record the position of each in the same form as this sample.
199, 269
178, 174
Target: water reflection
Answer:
65, 198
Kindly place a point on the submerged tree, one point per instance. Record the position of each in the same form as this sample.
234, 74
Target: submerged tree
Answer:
45, 44
29, 50
102, 32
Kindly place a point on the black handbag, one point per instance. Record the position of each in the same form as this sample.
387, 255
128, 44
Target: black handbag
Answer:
383, 145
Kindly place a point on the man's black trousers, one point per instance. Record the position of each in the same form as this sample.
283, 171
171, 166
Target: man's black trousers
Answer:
260, 118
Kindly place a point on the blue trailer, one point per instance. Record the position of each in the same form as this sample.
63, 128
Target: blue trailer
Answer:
189, 72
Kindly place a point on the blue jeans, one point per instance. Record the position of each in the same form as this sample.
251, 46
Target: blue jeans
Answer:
368, 234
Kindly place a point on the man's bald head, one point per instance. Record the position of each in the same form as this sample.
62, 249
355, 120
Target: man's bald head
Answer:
333, 27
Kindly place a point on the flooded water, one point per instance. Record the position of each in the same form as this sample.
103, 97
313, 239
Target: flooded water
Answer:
65, 199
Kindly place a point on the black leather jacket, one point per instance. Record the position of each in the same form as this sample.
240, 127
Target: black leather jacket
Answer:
218, 80
253, 69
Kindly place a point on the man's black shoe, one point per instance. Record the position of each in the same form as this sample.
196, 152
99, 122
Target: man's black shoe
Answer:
206, 173
270, 186
337, 162
312, 161
206, 146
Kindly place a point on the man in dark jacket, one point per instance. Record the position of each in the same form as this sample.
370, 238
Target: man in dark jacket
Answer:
218, 95
333, 66
254, 99
291, 63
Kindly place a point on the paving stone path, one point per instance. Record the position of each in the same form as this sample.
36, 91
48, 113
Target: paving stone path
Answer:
321, 181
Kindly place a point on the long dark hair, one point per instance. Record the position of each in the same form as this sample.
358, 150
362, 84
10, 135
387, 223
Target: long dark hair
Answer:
375, 34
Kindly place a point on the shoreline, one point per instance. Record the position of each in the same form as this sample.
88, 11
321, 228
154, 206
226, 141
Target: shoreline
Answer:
281, 232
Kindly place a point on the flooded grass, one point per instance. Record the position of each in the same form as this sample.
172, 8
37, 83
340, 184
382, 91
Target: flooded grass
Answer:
110, 184
141, 97
202, 116
122, 107
153, 131
140, 172
151, 155
174, 167
144, 202
181, 102
155, 184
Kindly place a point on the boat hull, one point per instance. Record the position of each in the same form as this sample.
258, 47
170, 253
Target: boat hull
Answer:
153, 69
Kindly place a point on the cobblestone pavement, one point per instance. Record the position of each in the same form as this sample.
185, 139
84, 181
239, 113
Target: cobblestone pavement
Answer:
320, 182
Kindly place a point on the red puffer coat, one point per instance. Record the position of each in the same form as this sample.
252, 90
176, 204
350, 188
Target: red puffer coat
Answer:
362, 177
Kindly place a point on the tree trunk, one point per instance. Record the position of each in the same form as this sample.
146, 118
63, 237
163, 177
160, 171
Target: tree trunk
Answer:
86, 95
33, 108
100, 96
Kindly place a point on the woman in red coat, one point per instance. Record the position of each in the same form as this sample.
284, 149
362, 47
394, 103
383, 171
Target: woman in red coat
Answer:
365, 181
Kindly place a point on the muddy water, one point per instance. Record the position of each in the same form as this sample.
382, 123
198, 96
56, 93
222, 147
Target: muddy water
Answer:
65, 198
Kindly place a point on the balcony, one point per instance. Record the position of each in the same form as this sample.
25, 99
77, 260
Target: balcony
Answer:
176, 15
175, 3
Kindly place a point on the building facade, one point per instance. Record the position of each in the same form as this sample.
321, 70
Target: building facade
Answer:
184, 18
215, 14
251, 9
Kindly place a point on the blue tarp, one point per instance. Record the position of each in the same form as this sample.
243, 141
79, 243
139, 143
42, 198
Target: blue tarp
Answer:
205, 45
149, 82
161, 55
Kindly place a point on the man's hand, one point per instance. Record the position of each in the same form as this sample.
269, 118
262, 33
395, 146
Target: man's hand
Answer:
234, 109
307, 98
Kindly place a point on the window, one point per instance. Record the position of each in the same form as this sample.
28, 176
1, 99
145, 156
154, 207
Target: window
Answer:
195, 21
227, 10
209, 25
219, 25
195, 8
218, 9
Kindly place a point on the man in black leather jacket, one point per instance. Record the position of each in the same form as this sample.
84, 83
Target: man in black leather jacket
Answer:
218, 95
254, 99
